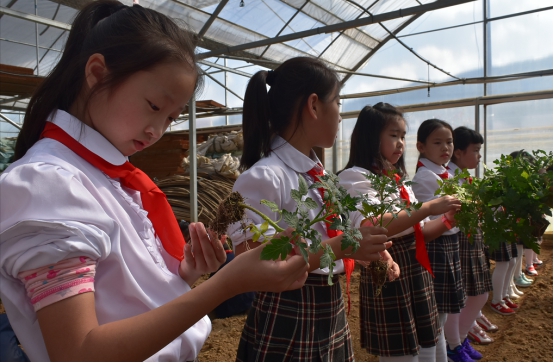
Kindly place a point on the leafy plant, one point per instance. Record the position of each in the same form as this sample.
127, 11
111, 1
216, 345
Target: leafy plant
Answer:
390, 202
509, 203
337, 206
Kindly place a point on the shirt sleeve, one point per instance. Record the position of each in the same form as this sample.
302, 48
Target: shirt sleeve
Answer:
424, 185
356, 184
256, 184
49, 215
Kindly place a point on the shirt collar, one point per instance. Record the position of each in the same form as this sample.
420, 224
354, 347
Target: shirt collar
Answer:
437, 169
88, 137
292, 157
453, 167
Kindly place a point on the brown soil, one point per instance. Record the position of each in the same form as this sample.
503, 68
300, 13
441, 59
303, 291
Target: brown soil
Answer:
523, 337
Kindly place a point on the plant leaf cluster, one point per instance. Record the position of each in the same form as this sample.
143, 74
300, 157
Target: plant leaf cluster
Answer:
334, 213
509, 203
387, 191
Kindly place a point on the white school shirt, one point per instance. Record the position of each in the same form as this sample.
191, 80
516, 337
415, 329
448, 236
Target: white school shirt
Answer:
272, 178
54, 205
424, 185
452, 171
354, 181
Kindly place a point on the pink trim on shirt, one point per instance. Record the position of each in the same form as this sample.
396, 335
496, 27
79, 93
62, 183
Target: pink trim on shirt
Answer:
49, 284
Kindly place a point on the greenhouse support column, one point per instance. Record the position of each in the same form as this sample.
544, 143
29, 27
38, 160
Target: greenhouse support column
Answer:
478, 169
192, 159
36, 36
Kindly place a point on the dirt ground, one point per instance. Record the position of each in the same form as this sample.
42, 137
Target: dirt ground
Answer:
524, 337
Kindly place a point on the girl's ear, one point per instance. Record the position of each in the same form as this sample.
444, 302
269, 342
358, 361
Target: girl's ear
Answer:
95, 70
312, 105
458, 153
420, 147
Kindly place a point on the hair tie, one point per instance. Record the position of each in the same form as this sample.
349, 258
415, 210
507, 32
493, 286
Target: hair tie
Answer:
270, 79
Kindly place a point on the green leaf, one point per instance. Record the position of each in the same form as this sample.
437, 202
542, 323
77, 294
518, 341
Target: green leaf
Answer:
525, 175
310, 203
302, 185
264, 227
495, 201
277, 248
271, 205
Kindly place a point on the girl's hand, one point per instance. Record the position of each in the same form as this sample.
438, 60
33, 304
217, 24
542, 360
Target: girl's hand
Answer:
451, 216
248, 272
394, 269
443, 205
374, 240
204, 254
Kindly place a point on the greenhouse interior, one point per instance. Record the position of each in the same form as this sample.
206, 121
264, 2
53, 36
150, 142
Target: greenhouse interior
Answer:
483, 64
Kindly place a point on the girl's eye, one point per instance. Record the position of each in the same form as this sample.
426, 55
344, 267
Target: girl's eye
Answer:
171, 119
154, 107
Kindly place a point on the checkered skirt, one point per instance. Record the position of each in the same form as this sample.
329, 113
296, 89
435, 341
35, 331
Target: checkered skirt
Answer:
307, 324
505, 252
404, 315
475, 270
444, 254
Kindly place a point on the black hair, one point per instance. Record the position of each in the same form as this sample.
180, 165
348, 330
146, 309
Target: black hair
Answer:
131, 39
267, 113
365, 142
524, 155
463, 137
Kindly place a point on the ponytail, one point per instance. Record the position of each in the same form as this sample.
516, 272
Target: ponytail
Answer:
131, 38
269, 113
255, 121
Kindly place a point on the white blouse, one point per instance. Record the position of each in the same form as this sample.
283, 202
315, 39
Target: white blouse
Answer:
424, 185
55, 205
272, 178
355, 182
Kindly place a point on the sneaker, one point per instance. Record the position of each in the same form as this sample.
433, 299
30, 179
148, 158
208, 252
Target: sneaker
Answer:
526, 278
517, 291
520, 282
502, 309
485, 324
458, 354
530, 270
537, 263
478, 336
473, 354
509, 303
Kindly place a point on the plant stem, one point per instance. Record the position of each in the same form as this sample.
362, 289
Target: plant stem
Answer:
264, 217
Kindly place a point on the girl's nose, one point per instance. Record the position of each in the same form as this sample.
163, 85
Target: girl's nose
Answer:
154, 132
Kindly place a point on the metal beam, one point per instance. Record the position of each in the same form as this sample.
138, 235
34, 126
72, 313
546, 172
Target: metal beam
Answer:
464, 102
222, 85
224, 68
193, 174
34, 18
381, 44
477, 80
214, 15
338, 27
10, 121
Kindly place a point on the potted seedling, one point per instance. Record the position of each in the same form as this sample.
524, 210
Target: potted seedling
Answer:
387, 191
337, 206
509, 203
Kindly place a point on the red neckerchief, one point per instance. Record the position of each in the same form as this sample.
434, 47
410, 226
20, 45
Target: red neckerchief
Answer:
153, 199
421, 249
443, 176
315, 173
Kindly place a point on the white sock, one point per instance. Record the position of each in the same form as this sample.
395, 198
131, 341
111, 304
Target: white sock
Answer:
399, 358
470, 312
427, 354
508, 277
441, 343
529, 257
452, 330
498, 277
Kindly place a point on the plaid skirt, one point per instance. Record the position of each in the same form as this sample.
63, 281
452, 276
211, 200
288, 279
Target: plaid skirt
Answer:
404, 315
505, 252
307, 324
444, 255
475, 270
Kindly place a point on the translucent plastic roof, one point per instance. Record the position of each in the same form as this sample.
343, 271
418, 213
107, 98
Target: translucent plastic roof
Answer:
283, 29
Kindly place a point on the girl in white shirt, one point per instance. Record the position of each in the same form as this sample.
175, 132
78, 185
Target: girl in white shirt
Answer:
93, 265
281, 126
401, 323
435, 144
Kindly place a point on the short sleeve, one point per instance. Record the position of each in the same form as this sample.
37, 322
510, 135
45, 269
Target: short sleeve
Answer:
424, 185
49, 214
356, 184
257, 183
